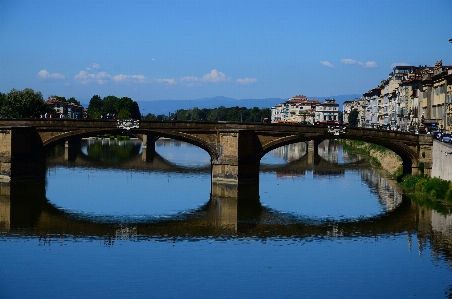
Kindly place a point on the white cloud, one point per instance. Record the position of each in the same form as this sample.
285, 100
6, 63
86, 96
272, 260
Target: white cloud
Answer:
327, 64
100, 78
129, 78
349, 61
190, 79
44, 74
214, 76
398, 64
246, 80
94, 66
368, 64
166, 81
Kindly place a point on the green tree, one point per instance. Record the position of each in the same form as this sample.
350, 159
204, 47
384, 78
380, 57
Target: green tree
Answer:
95, 107
123, 108
353, 118
24, 104
150, 116
72, 100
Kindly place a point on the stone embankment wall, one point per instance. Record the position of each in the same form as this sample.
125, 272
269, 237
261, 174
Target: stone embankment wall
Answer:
442, 160
388, 160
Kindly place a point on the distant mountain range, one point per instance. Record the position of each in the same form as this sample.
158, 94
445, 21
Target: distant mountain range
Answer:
169, 106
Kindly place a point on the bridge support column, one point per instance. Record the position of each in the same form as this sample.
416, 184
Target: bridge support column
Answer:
231, 204
425, 152
238, 160
21, 155
313, 152
71, 149
148, 147
5, 206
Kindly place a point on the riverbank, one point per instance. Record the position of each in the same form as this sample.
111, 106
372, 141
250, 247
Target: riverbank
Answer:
380, 157
432, 192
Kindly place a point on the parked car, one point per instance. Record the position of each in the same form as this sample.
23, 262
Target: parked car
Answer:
446, 138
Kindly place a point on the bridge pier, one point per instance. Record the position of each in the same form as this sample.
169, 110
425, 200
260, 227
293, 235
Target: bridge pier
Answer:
231, 204
313, 152
21, 155
148, 147
238, 158
71, 148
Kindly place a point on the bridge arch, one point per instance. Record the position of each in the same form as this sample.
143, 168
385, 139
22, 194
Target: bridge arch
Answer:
409, 153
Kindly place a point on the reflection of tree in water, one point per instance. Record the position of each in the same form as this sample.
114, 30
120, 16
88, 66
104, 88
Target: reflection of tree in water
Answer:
111, 151
56, 150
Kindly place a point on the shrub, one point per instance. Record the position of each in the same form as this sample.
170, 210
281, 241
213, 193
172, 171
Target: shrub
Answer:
421, 167
448, 196
437, 186
419, 186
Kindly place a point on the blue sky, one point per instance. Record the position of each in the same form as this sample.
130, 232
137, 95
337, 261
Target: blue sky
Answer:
181, 50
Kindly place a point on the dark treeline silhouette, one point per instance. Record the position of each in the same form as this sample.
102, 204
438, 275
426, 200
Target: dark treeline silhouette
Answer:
235, 114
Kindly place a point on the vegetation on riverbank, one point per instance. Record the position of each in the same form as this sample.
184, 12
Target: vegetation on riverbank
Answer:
433, 193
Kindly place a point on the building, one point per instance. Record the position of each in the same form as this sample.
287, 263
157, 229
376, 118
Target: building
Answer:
297, 109
411, 99
328, 111
347, 107
65, 109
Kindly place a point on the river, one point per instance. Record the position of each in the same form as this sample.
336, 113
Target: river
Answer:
106, 224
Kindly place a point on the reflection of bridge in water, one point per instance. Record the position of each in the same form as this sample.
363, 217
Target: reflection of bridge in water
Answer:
304, 160
24, 210
75, 157
322, 161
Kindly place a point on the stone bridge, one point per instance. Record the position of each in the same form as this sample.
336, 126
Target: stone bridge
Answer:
235, 148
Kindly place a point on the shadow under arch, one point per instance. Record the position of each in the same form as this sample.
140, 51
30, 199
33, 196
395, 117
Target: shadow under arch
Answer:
26, 211
153, 162
408, 154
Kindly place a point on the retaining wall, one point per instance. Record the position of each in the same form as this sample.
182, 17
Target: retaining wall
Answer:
442, 160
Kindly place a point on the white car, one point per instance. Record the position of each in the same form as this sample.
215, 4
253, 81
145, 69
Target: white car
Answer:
446, 138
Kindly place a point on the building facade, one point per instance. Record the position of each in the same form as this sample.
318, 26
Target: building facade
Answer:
65, 109
411, 99
298, 109
328, 111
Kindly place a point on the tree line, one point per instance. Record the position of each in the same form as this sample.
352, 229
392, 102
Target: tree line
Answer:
23, 104
113, 107
233, 114
30, 104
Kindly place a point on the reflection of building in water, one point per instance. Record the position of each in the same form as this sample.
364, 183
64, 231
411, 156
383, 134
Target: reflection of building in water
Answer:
291, 152
388, 193
163, 141
5, 213
300, 173
328, 173
328, 150
126, 233
331, 150
442, 233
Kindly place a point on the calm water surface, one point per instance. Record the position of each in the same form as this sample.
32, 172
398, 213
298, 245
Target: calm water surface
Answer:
107, 225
